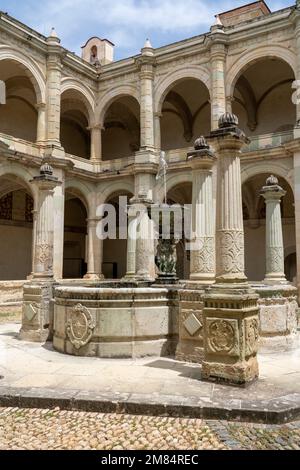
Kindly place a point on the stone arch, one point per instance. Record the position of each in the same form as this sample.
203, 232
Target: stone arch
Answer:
87, 95
31, 69
254, 55
172, 181
82, 191
255, 223
169, 81
116, 187
23, 175
277, 168
113, 95
16, 235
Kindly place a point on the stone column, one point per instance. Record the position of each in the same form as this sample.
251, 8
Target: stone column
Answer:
41, 123
146, 65
95, 247
131, 243
59, 228
230, 306
34, 219
272, 193
218, 67
157, 131
296, 150
145, 270
96, 143
297, 209
203, 218
44, 239
37, 293
54, 68
296, 15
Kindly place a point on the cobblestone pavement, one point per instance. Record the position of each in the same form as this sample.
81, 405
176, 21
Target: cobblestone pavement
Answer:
35, 429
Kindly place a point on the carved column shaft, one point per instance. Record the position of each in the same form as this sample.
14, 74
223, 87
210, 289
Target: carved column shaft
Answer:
54, 68
230, 306
144, 244
96, 143
229, 222
131, 244
203, 214
157, 129
41, 123
272, 194
44, 224
44, 233
147, 119
95, 251
218, 66
297, 35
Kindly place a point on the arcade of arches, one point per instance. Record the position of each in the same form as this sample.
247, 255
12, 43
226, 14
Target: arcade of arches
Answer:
146, 112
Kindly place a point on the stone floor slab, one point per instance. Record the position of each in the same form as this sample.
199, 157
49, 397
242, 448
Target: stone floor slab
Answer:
36, 375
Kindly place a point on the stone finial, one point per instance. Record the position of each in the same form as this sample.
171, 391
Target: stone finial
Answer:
272, 181
53, 33
148, 44
218, 21
53, 38
217, 26
148, 49
228, 120
200, 143
46, 169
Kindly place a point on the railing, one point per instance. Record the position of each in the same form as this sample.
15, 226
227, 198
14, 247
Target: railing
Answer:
265, 141
20, 145
259, 142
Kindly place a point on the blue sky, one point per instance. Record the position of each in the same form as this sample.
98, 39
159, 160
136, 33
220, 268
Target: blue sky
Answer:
127, 23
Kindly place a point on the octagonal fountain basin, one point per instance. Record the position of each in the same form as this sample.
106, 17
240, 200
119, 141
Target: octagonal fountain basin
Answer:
115, 322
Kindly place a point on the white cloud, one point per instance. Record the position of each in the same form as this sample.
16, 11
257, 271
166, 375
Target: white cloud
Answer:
128, 22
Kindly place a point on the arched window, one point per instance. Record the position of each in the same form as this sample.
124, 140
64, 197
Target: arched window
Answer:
94, 54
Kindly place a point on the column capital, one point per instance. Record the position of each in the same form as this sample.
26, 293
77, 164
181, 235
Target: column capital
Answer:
40, 106
202, 157
228, 137
272, 191
218, 48
46, 180
96, 127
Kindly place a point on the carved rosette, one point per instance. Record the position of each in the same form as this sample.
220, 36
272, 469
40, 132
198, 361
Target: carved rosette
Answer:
80, 326
275, 261
222, 336
231, 251
203, 261
44, 255
251, 336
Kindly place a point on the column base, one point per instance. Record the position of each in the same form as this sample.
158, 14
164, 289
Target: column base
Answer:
36, 311
202, 278
231, 332
33, 336
240, 373
93, 277
278, 315
274, 278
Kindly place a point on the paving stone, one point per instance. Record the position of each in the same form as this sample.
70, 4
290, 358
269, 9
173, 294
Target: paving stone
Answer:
55, 429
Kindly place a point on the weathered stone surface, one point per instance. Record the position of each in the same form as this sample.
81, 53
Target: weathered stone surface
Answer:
119, 322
